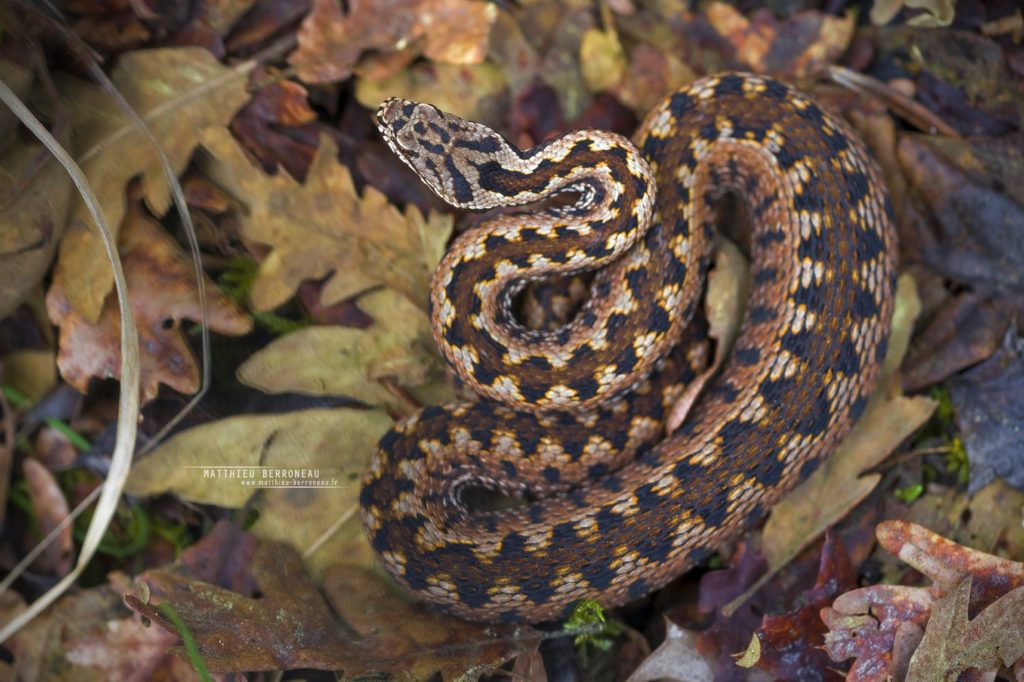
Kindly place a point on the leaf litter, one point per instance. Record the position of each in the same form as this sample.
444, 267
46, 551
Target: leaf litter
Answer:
300, 187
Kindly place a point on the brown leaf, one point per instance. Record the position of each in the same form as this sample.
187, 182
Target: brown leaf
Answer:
976, 240
292, 626
868, 623
161, 291
51, 509
87, 636
936, 12
265, 126
470, 91
798, 47
791, 642
325, 228
952, 643
176, 92
446, 31
965, 331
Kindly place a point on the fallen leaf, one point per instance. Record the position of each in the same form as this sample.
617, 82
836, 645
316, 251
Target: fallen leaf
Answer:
472, 92
952, 643
20, 80
161, 292
291, 625
228, 461
677, 658
879, 625
724, 304
989, 403
266, 126
966, 330
50, 509
978, 226
33, 373
837, 485
366, 365
963, 76
176, 91
447, 31
325, 228
35, 194
87, 636
798, 47
602, 59
791, 642
936, 12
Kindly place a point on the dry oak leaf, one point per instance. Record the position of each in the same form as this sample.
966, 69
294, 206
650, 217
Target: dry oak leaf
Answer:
226, 462
324, 228
882, 625
397, 351
35, 193
796, 48
954, 643
176, 91
445, 31
162, 292
292, 625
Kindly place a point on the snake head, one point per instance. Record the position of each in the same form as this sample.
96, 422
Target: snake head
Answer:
443, 149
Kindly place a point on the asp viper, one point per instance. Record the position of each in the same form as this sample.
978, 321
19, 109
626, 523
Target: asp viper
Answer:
573, 418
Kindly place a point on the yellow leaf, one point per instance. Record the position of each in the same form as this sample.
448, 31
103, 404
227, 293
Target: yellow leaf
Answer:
357, 363
212, 463
325, 228
176, 91
602, 60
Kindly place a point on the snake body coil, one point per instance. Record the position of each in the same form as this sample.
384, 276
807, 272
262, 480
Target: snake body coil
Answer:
612, 508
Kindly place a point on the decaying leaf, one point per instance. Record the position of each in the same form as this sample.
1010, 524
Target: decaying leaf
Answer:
936, 12
989, 403
226, 462
791, 642
162, 292
953, 643
292, 625
397, 351
324, 228
50, 508
880, 625
977, 225
176, 91
88, 636
798, 47
447, 31
676, 659
602, 59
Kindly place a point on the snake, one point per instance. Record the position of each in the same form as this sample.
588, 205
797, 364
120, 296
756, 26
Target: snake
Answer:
603, 503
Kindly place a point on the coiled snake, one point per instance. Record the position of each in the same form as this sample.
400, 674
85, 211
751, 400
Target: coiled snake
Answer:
612, 508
